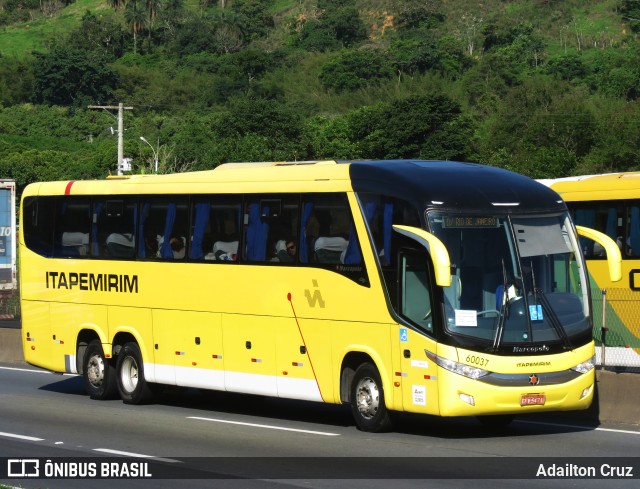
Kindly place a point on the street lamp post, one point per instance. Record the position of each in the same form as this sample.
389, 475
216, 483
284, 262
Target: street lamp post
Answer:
155, 153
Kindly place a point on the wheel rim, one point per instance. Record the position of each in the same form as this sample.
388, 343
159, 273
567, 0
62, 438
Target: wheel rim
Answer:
367, 397
129, 374
95, 371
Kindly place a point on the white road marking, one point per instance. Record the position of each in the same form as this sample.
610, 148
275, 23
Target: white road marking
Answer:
266, 426
582, 427
35, 371
21, 437
134, 455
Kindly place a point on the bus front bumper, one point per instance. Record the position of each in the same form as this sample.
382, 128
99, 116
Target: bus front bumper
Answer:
470, 397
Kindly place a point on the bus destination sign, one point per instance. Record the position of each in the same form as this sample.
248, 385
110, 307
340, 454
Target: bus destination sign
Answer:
470, 222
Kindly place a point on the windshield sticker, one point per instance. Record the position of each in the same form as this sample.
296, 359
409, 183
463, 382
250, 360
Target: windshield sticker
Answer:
467, 317
420, 395
535, 312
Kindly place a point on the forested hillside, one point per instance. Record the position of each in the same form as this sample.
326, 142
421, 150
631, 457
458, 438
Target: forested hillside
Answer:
544, 87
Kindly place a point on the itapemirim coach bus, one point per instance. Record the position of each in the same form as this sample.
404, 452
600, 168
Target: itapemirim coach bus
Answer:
434, 287
610, 203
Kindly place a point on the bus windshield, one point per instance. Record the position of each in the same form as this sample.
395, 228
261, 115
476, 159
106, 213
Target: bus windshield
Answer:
516, 282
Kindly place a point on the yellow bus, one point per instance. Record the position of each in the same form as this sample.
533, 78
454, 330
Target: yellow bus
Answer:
610, 203
433, 287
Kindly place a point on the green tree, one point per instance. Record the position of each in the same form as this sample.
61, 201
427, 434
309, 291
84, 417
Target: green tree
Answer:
330, 138
270, 124
355, 69
412, 56
415, 127
339, 26
254, 15
617, 146
411, 16
68, 76
228, 31
192, 37
16, 79
135, 16
152, 7
100, 35
316, 36
116, 4
30, 166
567, 67
630, 12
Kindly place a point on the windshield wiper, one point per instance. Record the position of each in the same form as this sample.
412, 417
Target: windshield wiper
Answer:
540, 297
504, 309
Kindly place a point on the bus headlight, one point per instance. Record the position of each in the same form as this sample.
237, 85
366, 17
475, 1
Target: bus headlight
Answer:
585, 366
458, 368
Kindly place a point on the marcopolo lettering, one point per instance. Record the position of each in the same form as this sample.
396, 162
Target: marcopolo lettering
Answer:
102, 282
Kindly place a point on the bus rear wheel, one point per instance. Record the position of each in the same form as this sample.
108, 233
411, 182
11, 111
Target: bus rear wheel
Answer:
98, 373
367, 400
132, 387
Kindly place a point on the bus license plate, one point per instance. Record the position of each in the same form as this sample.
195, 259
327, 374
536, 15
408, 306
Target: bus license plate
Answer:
533, 400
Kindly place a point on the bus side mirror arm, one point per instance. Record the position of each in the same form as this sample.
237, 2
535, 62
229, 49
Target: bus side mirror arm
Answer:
614, 258
435, 247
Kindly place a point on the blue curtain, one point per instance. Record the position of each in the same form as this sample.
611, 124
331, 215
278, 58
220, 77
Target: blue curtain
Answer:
387, 230
257, 231
352, 256
587, 218
200, 224
612, 223
165, 249
95, 246
307, 210
142, 252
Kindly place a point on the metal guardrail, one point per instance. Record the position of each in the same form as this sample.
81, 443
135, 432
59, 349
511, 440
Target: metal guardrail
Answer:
616, 322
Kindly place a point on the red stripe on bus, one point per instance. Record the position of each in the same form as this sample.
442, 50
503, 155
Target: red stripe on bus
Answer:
67, 191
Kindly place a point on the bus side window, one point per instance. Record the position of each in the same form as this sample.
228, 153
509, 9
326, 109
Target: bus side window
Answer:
112, 228
327, 232
72, 230
605, 219
382, 212
415, 301
271, 228
215, 231
164, 223
38, 222
328, 237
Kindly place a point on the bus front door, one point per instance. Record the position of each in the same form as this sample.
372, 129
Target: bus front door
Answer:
417, 373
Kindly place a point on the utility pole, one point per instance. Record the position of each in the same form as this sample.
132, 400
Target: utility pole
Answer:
120, 108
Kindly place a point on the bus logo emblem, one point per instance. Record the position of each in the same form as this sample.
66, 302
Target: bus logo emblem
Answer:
534, 379
316, 298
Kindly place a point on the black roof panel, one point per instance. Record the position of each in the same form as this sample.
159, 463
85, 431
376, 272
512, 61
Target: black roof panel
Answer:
453, 185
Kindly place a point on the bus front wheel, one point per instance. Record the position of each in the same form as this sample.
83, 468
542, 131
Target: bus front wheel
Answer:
367, 400
98, 373
132, 387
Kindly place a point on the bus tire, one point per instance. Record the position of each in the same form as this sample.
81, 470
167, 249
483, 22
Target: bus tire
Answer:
367, 400
496, 421
132, 386
98, 372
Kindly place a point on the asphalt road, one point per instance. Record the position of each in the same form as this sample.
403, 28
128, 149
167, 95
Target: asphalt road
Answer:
224, 440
